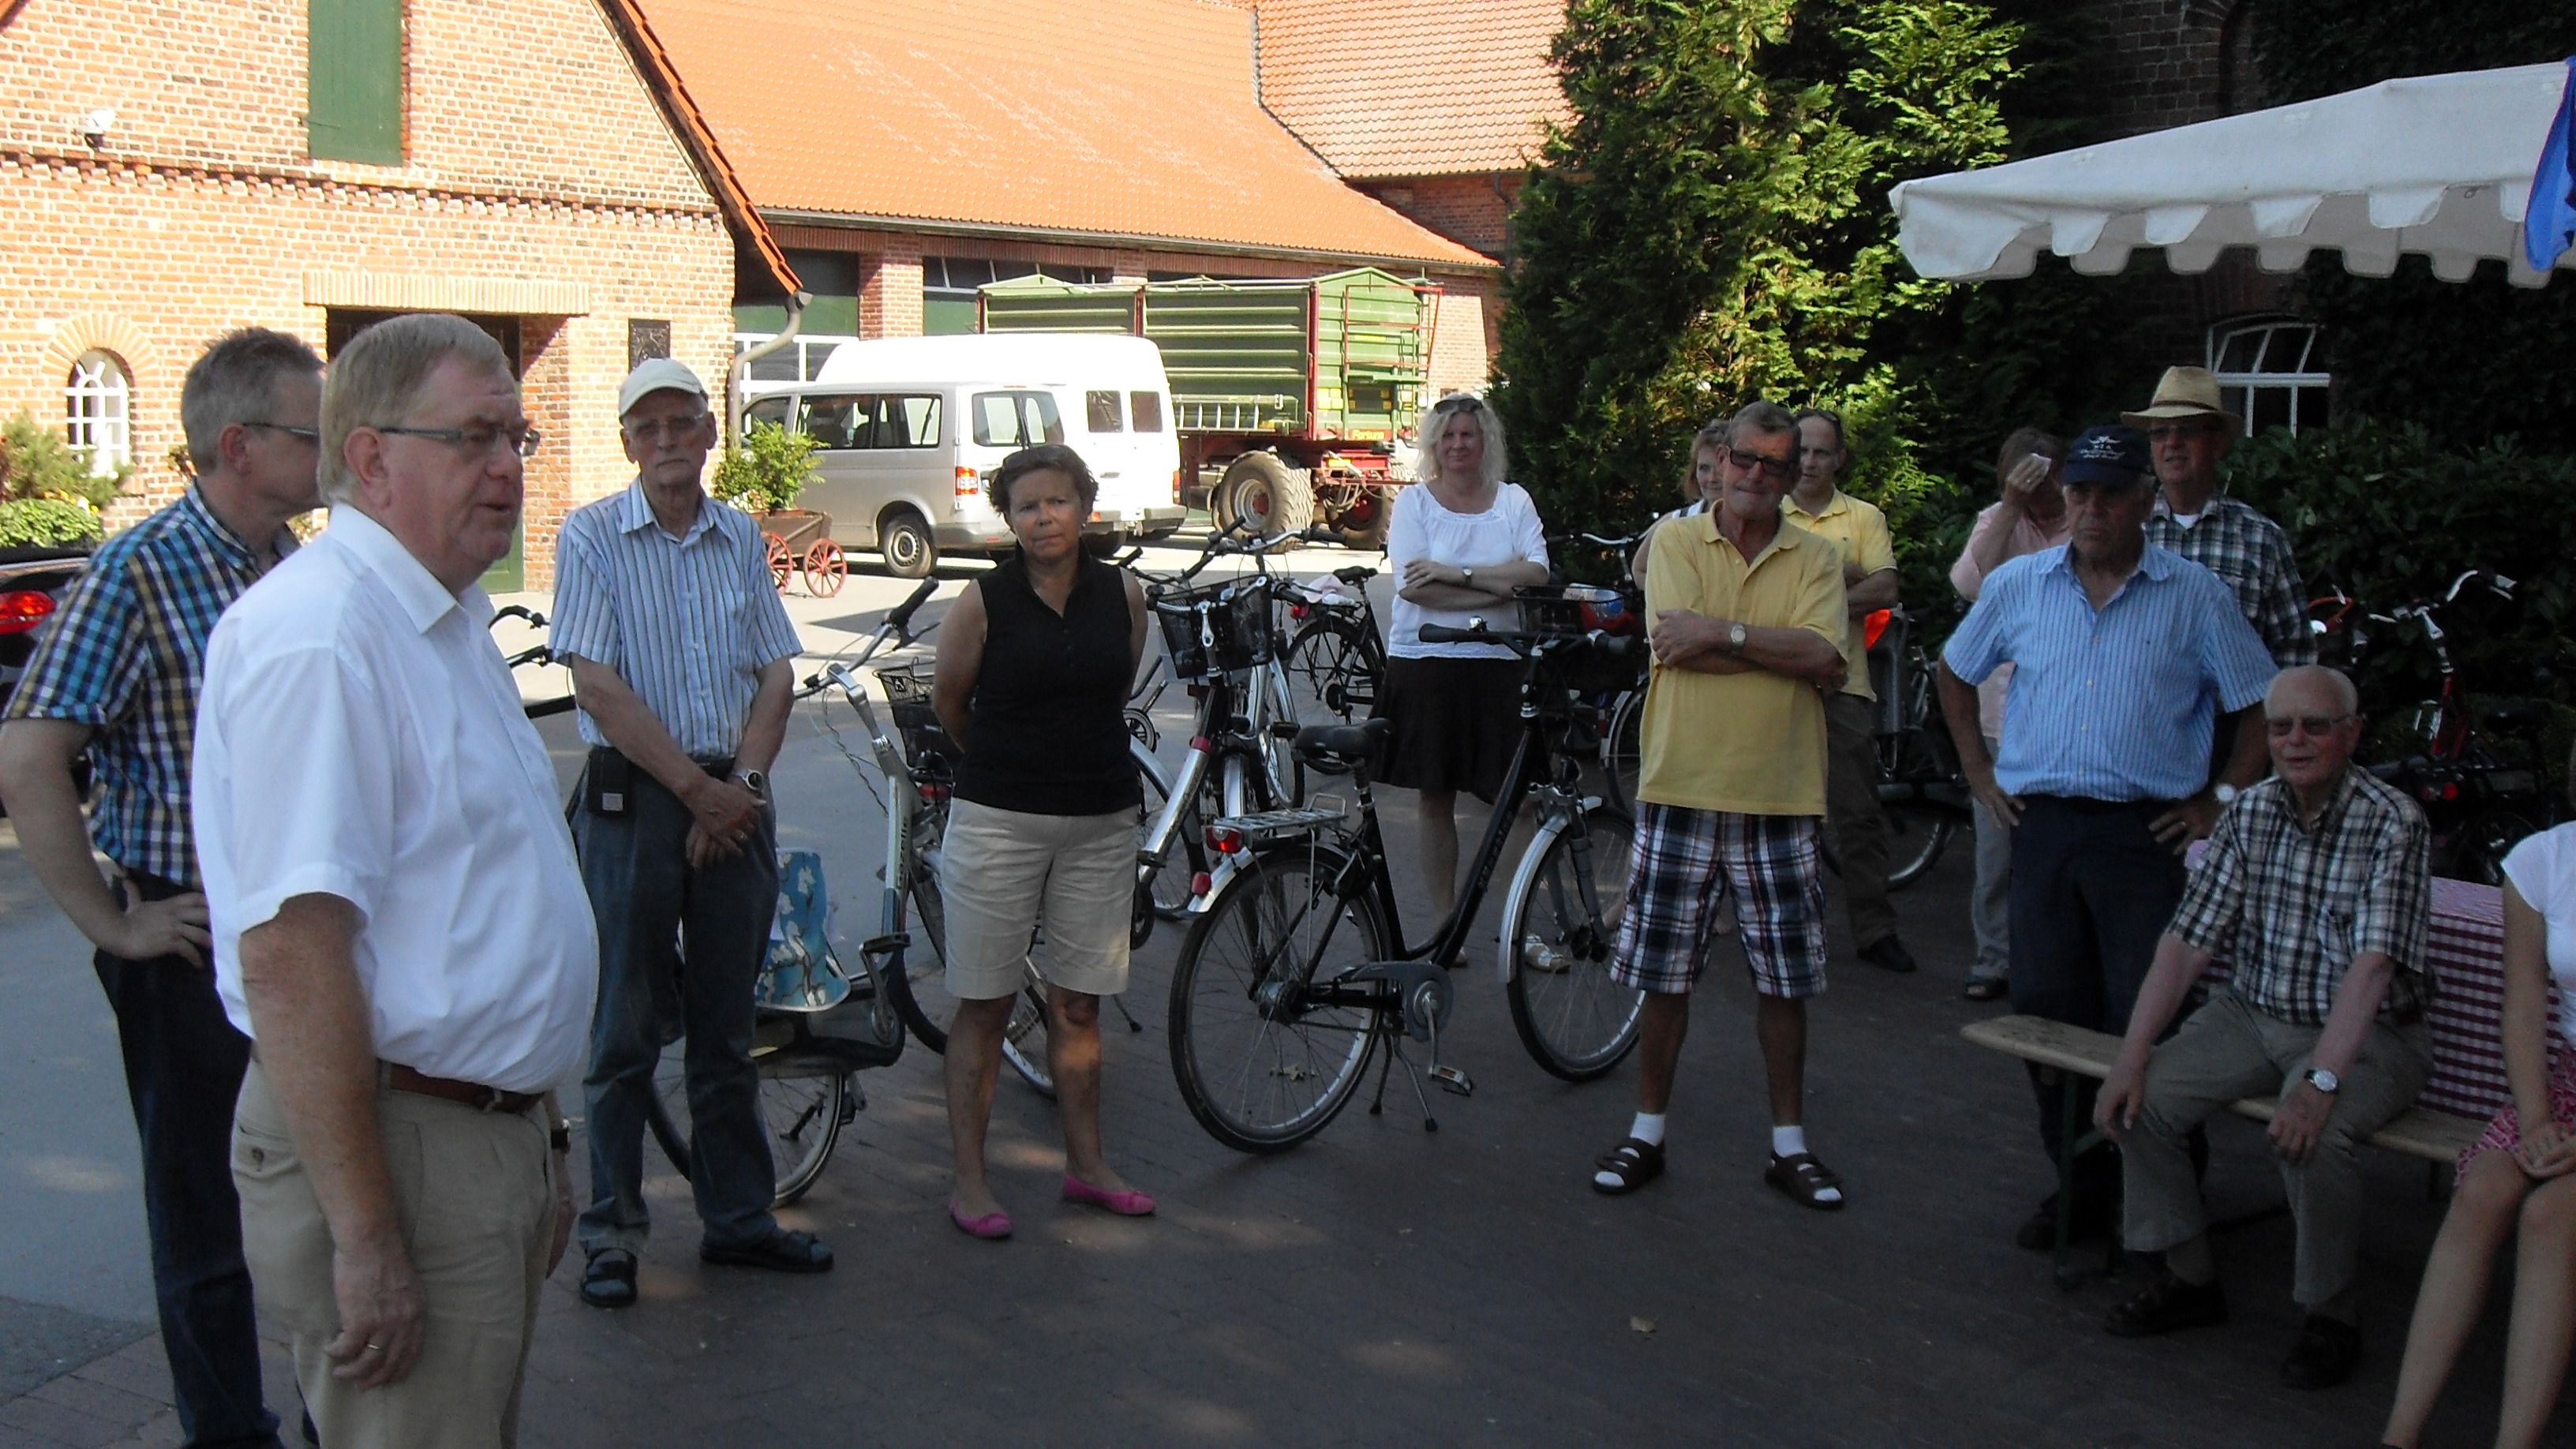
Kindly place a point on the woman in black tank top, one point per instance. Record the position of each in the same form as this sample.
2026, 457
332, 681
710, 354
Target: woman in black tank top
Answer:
1034, 666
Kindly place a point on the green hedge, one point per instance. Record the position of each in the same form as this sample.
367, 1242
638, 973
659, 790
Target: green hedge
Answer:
45, 522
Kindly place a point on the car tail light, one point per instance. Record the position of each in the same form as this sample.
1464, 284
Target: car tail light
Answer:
970, 485
1176, 485
21, 610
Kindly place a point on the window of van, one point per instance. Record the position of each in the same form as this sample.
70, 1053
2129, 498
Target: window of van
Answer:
1101, 412
1148, 410
836, 421
770, 410
1015, 419
909, 422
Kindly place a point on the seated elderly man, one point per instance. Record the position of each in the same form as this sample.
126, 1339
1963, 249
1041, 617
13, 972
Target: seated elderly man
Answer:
2317, 884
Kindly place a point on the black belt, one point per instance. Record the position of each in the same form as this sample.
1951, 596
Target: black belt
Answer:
2087, 805
720, 766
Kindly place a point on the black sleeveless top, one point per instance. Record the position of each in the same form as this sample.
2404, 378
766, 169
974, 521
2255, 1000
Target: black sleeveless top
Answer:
1048, 733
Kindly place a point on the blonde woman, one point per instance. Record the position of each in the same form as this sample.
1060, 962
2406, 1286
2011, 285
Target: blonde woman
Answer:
1458, 542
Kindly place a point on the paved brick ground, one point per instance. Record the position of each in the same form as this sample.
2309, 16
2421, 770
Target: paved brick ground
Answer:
1387, 1286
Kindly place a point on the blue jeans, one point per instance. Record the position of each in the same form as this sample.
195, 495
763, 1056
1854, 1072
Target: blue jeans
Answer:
680, 949
183, 1068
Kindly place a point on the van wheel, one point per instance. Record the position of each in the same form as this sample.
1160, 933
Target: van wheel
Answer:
1266, 494
905, 541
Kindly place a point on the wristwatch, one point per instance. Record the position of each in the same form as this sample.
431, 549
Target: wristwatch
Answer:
559, 1136
2225, 794
756, 782
2323, 1080
1735, 637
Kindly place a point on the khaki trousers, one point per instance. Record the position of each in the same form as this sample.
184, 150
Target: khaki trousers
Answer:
477, 1198
1859, 822
2229, 1050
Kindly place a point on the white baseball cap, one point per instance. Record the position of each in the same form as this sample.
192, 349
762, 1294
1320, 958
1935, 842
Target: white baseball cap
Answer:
656, 374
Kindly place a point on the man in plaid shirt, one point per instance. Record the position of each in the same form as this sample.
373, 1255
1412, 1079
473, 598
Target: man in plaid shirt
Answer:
2189, 430
2317, 884
117, 676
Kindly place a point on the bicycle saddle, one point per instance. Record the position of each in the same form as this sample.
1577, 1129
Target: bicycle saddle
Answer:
1325, 746
1421, 987
1355, 574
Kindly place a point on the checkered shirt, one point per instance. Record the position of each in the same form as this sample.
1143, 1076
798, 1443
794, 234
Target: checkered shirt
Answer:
126, 656
2251, 555
2292, 907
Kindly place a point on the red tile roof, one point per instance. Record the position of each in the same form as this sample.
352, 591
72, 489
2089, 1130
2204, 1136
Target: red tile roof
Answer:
1107, 119
1413, 87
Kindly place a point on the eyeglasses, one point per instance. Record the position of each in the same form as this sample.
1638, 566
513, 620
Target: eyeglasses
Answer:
478, 441
667, 430
2314, 726
1776, 469
301, 435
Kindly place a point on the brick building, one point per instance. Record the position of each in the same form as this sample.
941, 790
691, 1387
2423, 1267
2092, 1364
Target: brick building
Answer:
177, 168
1136, 147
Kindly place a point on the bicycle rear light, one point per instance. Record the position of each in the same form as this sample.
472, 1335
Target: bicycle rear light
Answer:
1224, 839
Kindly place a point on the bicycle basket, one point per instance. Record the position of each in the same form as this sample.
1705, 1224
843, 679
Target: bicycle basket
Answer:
1216, 629
1581, 610
925, 741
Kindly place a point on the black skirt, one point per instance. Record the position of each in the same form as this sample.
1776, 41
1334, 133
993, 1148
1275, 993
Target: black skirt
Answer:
1456, 721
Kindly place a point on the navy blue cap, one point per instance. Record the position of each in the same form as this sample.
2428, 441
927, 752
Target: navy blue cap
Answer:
2115, 454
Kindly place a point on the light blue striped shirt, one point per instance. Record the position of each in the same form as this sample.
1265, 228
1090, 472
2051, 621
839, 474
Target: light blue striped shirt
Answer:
686, 622
2115, 704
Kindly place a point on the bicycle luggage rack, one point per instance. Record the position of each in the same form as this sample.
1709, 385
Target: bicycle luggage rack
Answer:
1263, 827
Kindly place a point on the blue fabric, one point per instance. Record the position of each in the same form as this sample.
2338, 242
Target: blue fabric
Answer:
686, 622
2117, 704
127, 656
2549, 227
801, 973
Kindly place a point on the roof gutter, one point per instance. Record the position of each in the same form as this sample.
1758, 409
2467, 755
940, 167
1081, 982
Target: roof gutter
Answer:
997, 231
740, 372
654, 67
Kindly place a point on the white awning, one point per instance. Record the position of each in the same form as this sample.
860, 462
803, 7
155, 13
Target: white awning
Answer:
2437, 165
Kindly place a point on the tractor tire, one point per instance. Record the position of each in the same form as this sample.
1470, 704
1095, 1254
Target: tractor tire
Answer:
1369, 534
1267, 495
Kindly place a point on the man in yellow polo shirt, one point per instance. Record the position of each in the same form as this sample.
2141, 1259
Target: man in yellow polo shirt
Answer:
1818, 504
1745, 615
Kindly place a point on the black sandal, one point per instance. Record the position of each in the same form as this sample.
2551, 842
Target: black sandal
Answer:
1804, 1180
608, 1279
1985, 988
1635, 1162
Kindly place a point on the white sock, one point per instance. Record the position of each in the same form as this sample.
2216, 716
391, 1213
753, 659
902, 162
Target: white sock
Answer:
1789, 1142
1649, 1127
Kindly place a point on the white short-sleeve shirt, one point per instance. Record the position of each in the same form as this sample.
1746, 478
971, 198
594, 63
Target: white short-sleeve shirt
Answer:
1506, 532
359, 736
2543, 868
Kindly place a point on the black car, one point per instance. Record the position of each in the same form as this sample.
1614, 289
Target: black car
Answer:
33, 583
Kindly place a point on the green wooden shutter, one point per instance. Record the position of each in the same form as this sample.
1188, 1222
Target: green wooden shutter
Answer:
354, 81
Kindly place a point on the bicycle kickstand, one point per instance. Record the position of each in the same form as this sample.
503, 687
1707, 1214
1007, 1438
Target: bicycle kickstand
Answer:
1120, 1001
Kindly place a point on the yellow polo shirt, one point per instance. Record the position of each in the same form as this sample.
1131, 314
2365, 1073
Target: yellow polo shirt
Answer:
1751, 743
1860, 531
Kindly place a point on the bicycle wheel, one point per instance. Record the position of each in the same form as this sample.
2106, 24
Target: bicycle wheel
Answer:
1165, 896
927, 1007
803, 1104
1562, 919
1328, 663
1623, 750
1276, 709
1918, 829
1260, 1066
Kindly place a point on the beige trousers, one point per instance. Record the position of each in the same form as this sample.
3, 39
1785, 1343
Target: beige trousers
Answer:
477, 1198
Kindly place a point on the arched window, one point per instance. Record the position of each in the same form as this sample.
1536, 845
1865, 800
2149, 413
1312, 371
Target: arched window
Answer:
97, 411
2271, 372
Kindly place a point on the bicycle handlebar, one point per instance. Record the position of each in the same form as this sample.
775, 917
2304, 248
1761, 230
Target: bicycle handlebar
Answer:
1526, 641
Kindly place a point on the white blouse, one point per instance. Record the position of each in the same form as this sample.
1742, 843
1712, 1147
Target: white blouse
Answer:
1506, 532
2543, 868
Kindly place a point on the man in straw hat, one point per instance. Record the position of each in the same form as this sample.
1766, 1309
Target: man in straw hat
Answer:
2189, 431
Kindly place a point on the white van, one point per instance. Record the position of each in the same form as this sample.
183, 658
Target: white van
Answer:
910, 427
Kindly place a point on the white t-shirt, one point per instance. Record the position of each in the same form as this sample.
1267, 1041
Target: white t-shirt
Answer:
2543, 868
1506, 532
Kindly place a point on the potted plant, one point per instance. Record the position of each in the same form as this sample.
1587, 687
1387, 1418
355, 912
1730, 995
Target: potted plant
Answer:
50, 498
761, 474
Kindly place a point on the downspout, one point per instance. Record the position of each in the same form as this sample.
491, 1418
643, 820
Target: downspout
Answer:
741, 370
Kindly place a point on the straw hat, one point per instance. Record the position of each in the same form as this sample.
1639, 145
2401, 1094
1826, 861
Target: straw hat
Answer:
2183, 392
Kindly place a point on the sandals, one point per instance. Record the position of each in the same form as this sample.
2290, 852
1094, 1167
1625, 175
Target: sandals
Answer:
1985, 988
1635, 1162
608, 1279
1804, 1180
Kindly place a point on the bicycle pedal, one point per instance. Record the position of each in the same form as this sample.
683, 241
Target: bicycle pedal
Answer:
1450, 1079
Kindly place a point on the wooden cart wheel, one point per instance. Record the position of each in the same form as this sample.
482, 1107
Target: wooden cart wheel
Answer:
781, 563
825, 569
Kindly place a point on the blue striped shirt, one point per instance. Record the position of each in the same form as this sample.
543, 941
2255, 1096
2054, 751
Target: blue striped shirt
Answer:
2116, 703
127, 656
687, 622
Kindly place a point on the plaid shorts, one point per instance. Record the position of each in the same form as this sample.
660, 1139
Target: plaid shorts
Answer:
1682, 855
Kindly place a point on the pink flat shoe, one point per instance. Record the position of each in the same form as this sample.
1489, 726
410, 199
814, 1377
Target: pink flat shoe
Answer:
992, 1227
1127, 1204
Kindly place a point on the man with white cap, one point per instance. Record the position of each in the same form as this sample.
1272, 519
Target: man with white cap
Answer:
2188, 430
682, 659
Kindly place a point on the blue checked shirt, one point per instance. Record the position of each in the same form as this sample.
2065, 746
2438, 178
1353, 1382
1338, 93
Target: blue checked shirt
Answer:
687, 622
2116, 704
126, 656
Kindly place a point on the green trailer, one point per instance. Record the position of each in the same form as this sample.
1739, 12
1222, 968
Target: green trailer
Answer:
1291, 397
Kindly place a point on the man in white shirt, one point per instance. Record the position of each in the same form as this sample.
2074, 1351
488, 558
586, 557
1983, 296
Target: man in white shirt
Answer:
387, 876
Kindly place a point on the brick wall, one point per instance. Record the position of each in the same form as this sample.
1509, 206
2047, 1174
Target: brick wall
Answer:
1473, 211
540, 180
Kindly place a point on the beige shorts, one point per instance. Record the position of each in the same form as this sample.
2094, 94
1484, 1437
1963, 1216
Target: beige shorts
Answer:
1002, 872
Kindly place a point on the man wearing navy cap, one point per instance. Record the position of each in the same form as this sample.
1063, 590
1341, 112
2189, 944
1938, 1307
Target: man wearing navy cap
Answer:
2125, 658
